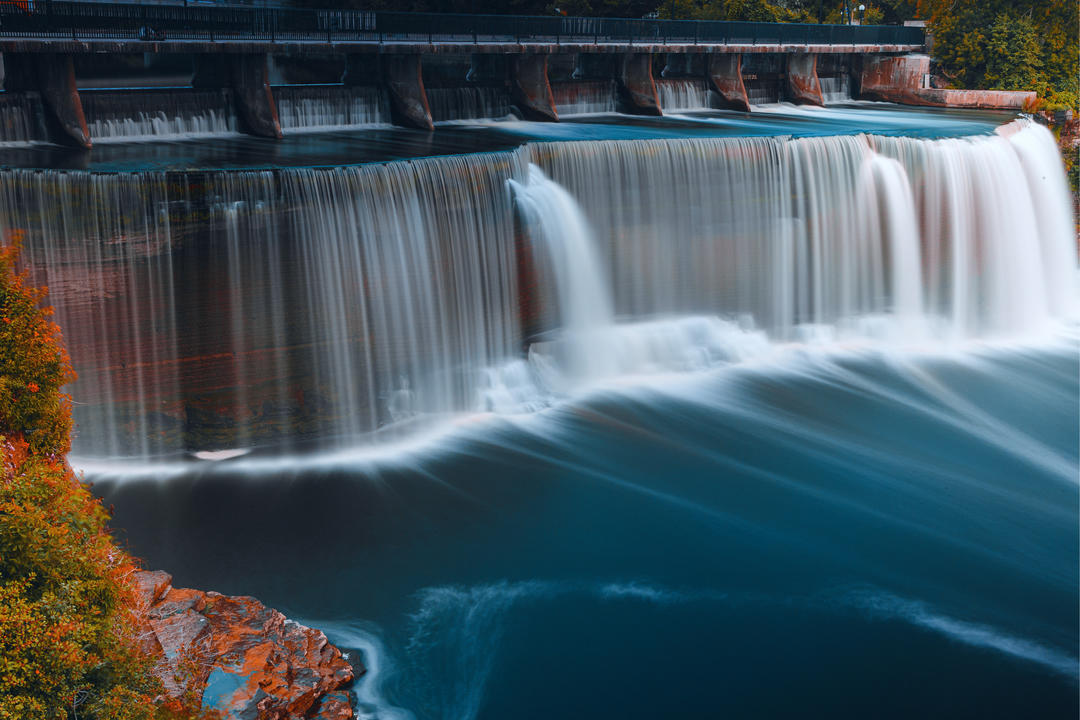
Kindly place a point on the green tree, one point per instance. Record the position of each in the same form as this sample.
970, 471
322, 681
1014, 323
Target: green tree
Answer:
976, 40
1013, 57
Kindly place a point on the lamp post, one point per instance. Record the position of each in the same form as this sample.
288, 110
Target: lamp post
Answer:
862, 14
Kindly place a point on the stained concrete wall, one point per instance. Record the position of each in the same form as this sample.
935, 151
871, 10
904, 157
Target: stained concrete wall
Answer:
53, 76
803, 85
530, 89
900, 79
725, 77
637, 91
408, 100
250, 79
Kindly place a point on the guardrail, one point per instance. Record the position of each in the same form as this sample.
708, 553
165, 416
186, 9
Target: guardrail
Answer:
47, 19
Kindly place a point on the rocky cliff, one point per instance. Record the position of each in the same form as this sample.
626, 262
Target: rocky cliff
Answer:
244, 660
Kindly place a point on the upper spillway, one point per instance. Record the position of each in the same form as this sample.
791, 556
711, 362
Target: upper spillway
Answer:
207, 310
351, 130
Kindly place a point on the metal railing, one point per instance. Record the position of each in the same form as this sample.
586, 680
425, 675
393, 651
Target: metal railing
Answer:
47, 19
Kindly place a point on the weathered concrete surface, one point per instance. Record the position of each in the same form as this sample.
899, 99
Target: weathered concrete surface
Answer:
344, 47
982, 99
19, 73
591, 66
60, 95
242, 658
900, 80
637, 91
408, 99
209, 72
489, 69
677, 65
530, 89
53, 76
725, 76
360, 70
802, 79
893, 79
249, 76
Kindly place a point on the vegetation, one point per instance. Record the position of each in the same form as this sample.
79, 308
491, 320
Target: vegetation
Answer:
68, 638
33, 365
1008, 45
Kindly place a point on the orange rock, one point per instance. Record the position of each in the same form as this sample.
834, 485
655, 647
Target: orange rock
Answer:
246, 660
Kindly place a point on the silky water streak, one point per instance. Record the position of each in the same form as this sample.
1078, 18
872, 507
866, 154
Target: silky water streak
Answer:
222, 309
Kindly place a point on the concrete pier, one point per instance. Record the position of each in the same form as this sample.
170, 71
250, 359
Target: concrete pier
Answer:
725, 77
802, 79
250, 79
248, 76
53, 77
530, 89
408, 99
637, 90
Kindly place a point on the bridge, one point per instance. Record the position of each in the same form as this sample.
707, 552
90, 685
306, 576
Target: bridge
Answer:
230, 45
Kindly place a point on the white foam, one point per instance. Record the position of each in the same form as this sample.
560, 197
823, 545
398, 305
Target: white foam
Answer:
889, 606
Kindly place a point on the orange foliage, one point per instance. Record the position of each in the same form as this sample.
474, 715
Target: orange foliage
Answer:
68, 625
33, 363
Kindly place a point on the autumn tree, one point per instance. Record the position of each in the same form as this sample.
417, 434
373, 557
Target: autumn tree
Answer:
69, 645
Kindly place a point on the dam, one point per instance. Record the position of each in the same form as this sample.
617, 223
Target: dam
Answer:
566, 366
405, 66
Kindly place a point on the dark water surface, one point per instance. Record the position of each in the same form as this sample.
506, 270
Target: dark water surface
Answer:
854, 532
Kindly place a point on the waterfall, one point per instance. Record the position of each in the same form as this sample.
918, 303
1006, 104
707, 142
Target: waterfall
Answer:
835, 89
763, 92
827, 230
207, 310
323, 107
996, 227
682, 94
561, 233
129, 115
585, 97
21, 119
104, 247
214, 310
887, 211
468, 103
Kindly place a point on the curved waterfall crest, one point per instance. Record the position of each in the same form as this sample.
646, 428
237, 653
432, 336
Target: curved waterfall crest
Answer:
315, 303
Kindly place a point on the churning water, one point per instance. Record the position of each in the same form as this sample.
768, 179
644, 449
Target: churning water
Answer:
645, 427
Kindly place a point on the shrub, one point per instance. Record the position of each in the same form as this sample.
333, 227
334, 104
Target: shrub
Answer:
68, 630
33, 363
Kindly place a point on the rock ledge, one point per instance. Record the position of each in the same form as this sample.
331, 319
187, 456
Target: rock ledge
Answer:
245, 660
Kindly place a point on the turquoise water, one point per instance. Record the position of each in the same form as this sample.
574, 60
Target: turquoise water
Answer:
855, 532
350, 147
858, 517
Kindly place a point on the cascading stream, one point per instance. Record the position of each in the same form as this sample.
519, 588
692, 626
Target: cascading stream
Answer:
584, 97
216, 310
323, 107
559, 229
126, 116
682, 94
